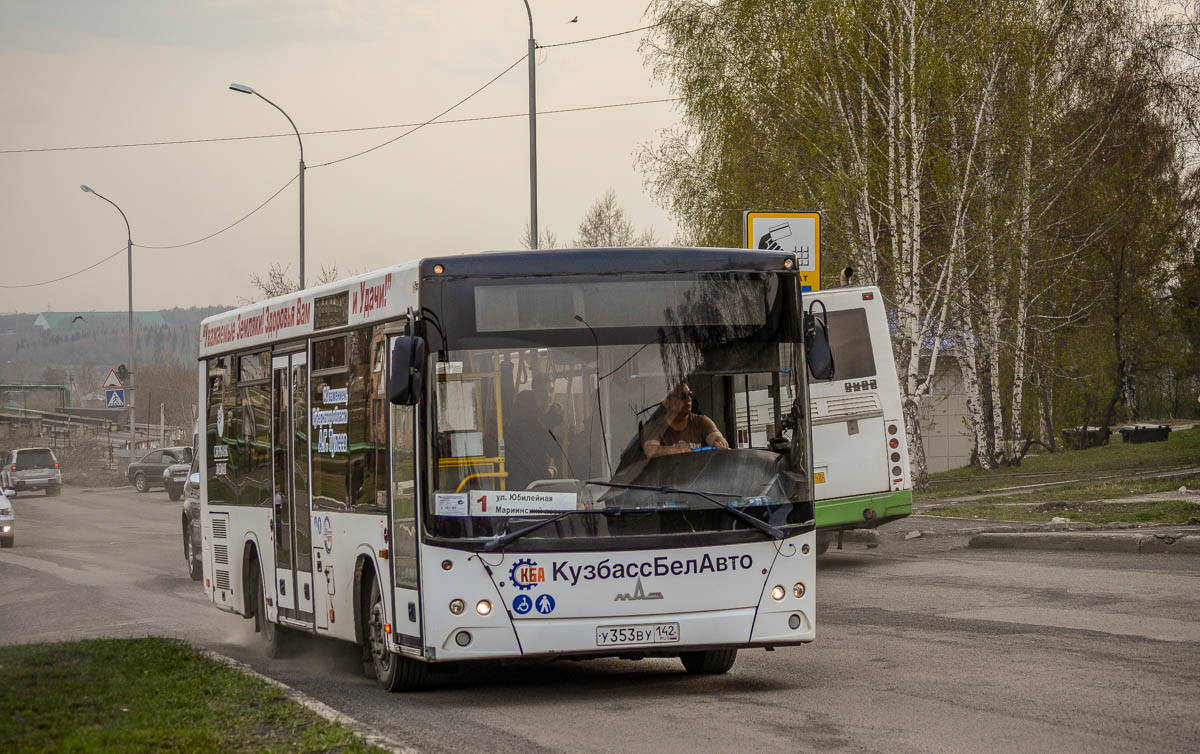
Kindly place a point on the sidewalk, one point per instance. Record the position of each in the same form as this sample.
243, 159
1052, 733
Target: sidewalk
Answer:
1020, 535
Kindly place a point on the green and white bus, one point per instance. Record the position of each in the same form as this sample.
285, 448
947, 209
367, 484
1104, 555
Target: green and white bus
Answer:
860, 449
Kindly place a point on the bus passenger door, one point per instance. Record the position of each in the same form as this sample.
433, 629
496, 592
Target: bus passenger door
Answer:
289, 466
402, 477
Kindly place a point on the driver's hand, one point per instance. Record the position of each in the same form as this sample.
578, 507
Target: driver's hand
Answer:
720, 444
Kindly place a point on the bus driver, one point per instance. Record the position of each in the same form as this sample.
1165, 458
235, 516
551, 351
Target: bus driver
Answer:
678, 430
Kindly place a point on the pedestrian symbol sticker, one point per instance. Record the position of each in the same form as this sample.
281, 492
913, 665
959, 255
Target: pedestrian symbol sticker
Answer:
523, 604
114, 398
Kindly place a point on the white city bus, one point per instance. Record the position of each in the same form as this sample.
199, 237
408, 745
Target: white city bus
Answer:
860, 450
445, 460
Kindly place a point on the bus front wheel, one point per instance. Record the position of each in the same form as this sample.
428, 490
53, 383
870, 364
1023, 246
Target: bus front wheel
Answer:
709, 661
274, 636
394, 672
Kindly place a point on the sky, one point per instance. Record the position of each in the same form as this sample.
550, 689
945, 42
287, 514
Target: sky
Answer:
81, 73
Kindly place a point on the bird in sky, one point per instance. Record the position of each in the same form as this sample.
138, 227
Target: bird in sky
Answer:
78, 318
574, 20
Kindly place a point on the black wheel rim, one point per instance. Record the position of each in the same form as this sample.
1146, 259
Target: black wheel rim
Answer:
379, 651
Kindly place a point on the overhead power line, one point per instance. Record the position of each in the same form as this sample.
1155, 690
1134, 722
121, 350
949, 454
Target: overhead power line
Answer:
357, 129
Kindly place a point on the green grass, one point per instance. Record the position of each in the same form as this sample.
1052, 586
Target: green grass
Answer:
1167, 512
149, 695
1117, 458
1103, 489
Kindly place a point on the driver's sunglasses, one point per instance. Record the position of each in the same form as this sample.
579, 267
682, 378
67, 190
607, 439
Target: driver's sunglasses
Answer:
688, 394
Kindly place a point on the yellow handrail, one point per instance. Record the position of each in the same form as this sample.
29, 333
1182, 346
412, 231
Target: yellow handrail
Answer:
481, 475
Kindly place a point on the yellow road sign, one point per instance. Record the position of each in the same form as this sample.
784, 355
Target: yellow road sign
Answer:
798, 233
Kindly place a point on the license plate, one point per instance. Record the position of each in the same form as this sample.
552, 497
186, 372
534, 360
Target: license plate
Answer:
644, 633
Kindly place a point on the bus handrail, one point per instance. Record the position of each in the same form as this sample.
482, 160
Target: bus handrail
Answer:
481, 475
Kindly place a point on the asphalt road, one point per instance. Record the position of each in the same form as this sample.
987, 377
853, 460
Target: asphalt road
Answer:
922, 646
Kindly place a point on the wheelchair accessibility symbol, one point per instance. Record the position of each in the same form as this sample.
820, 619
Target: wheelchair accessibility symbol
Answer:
523, 604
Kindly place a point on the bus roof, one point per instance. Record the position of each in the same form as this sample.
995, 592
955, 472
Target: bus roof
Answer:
387, 293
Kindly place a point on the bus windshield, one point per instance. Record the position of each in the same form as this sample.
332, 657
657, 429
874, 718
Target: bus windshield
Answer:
649, 404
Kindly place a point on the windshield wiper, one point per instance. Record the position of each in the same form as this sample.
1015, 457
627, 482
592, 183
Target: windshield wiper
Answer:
771, 531
500, 540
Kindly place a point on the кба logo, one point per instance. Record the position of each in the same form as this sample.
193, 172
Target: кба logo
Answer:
526, 574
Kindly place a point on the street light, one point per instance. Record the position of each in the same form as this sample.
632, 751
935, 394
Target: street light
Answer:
129, 259
250, 90
533, 222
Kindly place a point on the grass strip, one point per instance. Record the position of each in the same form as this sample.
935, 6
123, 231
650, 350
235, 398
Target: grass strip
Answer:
1181, 449
149, 695
1108, 489
1164, 512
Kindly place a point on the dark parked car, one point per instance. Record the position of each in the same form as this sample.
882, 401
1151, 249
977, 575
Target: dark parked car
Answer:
174, 478
192, 547
32, 469
148, 472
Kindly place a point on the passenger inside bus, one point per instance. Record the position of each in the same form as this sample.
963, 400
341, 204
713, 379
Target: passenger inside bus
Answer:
678, 430
532, 437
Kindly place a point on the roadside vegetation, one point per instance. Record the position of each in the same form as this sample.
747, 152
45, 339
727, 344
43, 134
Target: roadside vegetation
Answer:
1080, 485
1111, 464
149, 695
1162, 512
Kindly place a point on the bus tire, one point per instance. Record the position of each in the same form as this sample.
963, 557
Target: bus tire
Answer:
709, 661
393, 671
190, 556
274, 636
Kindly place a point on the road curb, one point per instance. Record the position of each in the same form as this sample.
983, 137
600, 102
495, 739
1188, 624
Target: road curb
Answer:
372, 736
1131, 542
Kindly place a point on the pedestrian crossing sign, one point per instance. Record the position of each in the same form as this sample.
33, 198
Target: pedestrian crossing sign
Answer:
114, 398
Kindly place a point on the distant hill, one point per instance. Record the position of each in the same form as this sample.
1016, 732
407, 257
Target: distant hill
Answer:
95, 343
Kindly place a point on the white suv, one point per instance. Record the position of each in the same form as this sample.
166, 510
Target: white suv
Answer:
32, 469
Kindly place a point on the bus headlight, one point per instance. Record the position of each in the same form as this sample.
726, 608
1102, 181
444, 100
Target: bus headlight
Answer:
483, 607
457, 606
798, 590
778, 592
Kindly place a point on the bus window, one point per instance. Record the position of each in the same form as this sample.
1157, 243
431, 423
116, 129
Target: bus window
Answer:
330, 425
850, 340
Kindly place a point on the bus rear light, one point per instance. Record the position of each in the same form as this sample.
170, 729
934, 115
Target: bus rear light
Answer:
778, 592
56, 465
895, 471
868, 296
331, 618
893, 429
895, 458
387, 627
483, 607
457, 606
893, 443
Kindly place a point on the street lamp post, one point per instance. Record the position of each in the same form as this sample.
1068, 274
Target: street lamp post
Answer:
533, 221
250, 90
129, 259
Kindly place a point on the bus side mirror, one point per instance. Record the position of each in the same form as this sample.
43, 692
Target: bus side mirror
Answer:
408, 370
816, 346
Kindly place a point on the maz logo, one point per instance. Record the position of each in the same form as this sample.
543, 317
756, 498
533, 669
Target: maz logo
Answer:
638, 594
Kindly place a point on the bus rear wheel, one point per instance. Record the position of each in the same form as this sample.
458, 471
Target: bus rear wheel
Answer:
709, 661
394, 672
